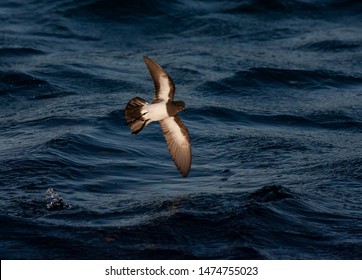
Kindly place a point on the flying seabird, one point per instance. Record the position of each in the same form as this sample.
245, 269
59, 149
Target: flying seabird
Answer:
139, 113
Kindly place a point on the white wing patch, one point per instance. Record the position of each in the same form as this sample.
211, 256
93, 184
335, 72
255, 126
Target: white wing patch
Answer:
164, 86
164, 91
178, 143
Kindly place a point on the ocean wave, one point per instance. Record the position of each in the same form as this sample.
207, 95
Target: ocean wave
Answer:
336, 120
11, 52
295, 7
20, 84
262, 6
317, 120
292, 78
331, 46
238, 227
115, 10
85, 146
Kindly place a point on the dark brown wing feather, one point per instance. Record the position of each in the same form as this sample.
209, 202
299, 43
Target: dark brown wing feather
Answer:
164, 86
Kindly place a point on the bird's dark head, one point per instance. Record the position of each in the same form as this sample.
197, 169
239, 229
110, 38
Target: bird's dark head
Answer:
180, 106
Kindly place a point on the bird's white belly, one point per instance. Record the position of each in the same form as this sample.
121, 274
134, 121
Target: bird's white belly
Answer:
156, 112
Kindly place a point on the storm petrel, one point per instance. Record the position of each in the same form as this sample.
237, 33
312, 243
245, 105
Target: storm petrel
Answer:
139, 113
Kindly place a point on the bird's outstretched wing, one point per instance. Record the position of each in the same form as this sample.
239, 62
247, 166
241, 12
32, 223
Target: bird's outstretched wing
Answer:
178, 143
164, 86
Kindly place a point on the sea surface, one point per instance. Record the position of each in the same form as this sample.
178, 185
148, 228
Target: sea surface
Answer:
273, 91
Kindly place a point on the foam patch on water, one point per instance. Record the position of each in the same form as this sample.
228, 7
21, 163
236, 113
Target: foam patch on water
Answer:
55, 201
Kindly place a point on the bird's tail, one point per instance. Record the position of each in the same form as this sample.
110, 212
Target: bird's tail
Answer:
136, 114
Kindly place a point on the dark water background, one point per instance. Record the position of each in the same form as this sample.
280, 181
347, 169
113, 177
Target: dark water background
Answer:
274, 97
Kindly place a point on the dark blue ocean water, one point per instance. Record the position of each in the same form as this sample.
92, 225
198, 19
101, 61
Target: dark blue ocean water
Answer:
274, 97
